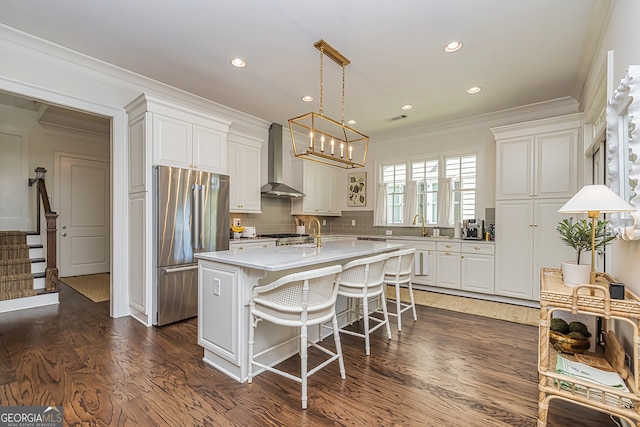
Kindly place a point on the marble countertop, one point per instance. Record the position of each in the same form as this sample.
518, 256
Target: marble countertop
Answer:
295, 256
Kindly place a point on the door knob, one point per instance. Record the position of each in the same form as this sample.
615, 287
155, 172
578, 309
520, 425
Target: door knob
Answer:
64, 234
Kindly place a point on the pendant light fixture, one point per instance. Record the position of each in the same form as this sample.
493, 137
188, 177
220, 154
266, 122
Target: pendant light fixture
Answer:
325, 140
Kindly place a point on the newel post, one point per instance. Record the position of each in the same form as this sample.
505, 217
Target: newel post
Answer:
51, 273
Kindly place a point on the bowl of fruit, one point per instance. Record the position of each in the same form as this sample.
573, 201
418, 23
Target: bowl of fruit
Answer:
569, 337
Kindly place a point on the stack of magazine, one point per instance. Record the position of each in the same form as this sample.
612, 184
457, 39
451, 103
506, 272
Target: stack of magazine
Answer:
596, 376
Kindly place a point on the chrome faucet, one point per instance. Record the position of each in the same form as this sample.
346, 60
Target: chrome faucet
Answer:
424, 233
317, 235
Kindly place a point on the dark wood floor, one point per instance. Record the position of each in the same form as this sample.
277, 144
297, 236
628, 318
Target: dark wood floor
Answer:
448, 369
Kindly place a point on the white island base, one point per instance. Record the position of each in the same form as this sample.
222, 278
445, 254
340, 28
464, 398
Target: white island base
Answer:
225, 283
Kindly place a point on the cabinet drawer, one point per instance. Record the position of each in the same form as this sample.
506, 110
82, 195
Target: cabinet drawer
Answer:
478, 248
448, 246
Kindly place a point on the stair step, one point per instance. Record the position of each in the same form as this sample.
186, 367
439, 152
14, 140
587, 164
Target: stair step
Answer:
36, 251
33, 239
38, 265
38, 281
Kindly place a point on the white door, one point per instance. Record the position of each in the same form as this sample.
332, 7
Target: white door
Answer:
83, 230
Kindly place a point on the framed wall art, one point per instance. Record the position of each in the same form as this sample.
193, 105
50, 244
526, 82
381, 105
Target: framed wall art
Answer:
357, 189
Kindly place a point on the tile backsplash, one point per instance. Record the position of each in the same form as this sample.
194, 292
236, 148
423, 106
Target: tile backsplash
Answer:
276, 218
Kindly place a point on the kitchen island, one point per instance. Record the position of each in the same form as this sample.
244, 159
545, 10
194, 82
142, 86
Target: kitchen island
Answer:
225, 283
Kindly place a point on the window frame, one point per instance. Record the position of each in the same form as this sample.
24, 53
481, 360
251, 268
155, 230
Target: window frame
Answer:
480, 191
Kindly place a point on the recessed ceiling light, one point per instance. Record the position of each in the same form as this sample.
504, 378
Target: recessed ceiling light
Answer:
307, 98
352, 122
406, 107
453, 46
474, 89
238, 63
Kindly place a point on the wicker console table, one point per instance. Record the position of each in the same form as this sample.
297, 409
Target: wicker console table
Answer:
593, 300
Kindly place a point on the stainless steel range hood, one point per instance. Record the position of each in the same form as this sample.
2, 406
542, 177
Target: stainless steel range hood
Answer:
275, 187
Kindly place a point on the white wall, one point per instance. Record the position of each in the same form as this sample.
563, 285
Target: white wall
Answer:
621, 36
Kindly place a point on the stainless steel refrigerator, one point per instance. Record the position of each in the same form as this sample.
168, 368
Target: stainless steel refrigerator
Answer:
191, 215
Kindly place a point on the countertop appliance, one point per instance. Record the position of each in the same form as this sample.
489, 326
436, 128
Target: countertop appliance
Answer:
249, 232
288, 239
191, 215
473, 229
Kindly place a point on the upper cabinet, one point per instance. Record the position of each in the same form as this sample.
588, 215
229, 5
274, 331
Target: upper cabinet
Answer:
182, 137
321, 186
244, 171
538, 159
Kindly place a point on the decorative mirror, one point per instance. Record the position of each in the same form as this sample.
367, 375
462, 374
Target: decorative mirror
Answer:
623, 151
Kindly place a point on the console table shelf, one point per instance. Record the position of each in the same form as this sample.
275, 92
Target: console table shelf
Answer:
593, 300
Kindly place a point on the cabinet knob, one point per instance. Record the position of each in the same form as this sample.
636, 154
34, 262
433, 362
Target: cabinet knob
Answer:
535, 225
477, 248
461, 256
530, 194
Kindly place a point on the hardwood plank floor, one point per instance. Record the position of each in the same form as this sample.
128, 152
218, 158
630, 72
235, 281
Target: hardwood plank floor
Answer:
446, 369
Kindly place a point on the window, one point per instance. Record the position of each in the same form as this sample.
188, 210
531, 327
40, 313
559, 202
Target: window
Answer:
426, 180
462, 172
425, 174
395, 177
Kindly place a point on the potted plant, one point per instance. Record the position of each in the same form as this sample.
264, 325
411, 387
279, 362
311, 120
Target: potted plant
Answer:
578, 236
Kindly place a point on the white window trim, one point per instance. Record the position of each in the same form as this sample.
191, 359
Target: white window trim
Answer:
481, 191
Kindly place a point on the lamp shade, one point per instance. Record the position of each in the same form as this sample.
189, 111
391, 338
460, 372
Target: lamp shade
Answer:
596, 198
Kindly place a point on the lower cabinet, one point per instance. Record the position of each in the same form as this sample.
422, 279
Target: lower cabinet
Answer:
477, 271
448, 264
466, 266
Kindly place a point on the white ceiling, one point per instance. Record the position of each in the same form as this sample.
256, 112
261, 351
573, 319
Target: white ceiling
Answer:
519, 51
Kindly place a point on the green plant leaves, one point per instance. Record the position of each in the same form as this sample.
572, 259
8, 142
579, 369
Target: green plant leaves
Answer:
578, 235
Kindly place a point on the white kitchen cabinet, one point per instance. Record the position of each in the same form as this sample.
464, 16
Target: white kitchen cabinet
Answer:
477, 267
185, 145
538, 159
321, 186
526, 241
448, 264
180, 136
537, 171
244, 172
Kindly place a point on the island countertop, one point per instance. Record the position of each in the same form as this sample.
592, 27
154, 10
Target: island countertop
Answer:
287, 257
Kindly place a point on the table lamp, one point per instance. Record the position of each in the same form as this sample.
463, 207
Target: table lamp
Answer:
592, 200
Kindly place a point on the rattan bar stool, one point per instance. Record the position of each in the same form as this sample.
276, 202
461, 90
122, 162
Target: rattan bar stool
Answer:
362, 281
397, 273
298, 300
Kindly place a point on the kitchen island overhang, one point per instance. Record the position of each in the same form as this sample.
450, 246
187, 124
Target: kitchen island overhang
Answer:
225, 283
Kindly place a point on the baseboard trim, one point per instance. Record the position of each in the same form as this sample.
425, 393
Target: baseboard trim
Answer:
29, 302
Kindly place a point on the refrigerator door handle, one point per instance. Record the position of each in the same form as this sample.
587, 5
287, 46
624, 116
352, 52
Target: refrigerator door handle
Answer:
195, 217
178, 269
202, 218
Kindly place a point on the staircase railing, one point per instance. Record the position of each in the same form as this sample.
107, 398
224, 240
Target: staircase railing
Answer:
51, 273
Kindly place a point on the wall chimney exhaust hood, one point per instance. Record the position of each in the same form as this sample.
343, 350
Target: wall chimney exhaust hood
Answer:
275, 187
